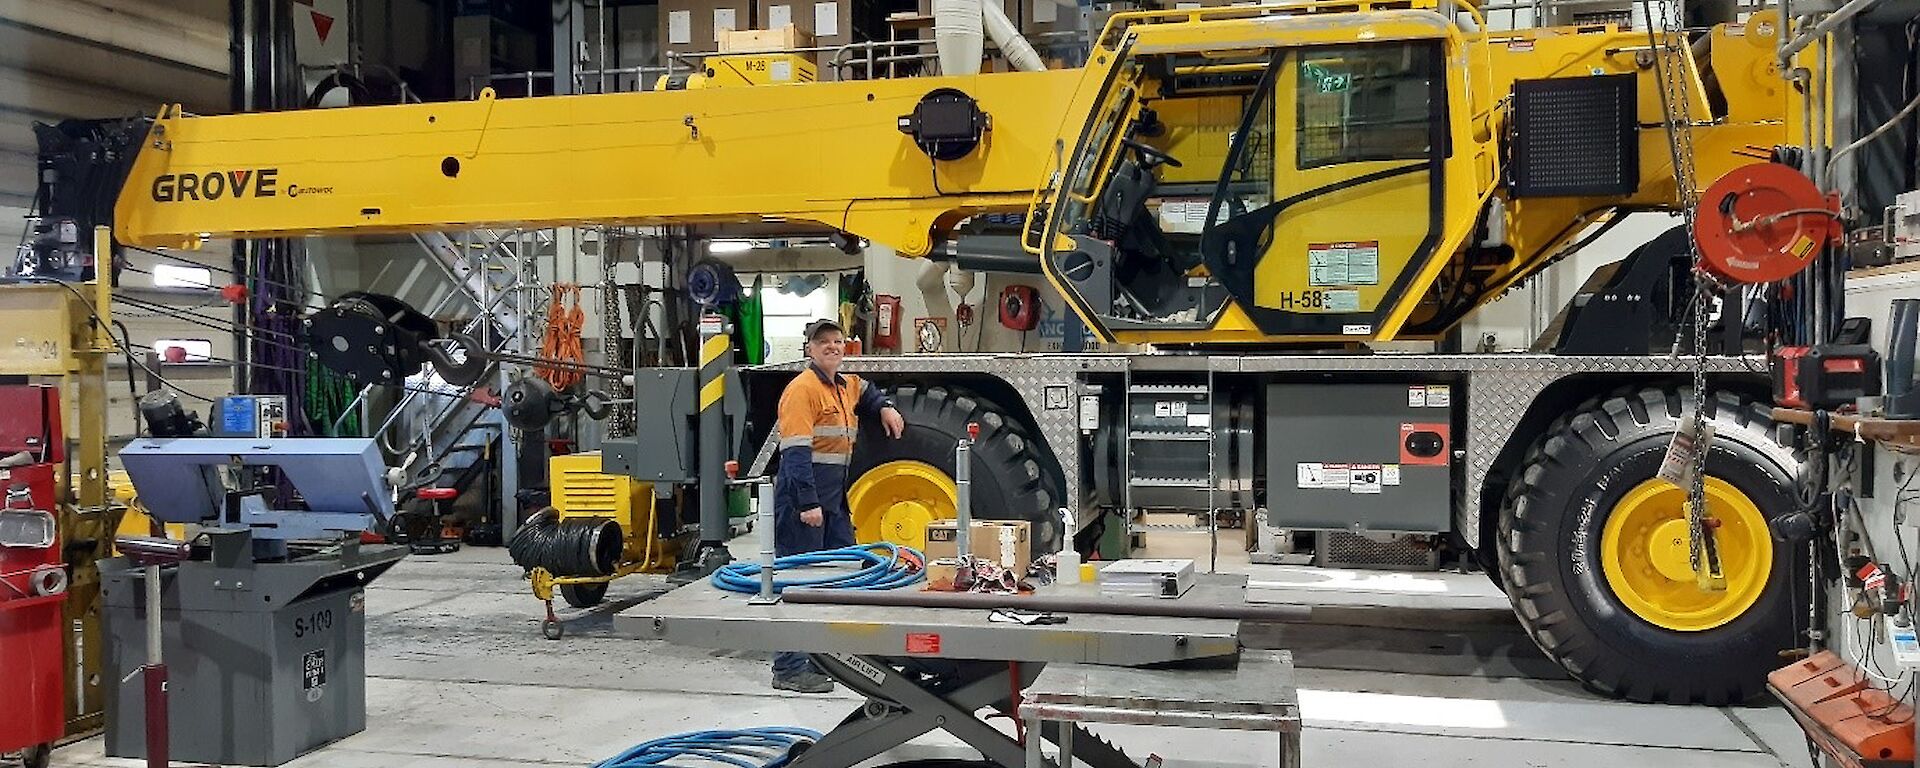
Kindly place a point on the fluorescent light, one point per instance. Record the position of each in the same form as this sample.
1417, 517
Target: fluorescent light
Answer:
729, 246
174, 276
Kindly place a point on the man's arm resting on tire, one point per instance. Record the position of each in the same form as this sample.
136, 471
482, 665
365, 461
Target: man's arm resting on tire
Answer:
872, 401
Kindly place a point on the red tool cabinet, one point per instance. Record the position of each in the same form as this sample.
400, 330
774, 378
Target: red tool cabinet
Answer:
32, 588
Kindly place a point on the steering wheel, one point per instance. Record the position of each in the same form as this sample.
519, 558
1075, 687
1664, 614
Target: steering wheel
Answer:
1150, 155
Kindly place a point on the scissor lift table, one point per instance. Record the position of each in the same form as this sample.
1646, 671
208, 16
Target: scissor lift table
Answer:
925, 669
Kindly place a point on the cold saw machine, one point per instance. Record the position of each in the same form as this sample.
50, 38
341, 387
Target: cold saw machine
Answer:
262, 612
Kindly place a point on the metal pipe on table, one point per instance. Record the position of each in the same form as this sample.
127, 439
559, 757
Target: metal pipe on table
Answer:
766, 523
1184, 609
963, 492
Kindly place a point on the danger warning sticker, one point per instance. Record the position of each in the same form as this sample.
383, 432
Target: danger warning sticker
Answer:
1351, 263
1364, 478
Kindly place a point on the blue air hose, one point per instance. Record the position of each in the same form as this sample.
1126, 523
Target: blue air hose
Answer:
747, 748
885, 566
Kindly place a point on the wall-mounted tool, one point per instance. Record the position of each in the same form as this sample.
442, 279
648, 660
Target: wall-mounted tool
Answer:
1824, 376
930, 333
1763, 223
1020, 307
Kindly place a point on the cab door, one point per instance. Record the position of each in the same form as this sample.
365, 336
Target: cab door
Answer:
1333, 199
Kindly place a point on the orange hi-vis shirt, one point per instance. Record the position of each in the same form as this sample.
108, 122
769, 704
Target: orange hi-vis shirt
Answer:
819, 420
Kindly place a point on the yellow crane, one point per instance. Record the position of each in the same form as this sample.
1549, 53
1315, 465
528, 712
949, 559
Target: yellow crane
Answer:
1238, 181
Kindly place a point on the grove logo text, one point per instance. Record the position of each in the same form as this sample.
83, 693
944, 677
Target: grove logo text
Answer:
214, 185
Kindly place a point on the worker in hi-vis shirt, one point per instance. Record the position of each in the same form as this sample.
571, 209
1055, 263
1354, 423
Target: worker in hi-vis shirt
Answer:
820, 413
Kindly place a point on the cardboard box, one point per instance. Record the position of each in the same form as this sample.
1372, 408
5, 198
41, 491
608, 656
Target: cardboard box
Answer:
785, 38
943, 575
1009, 543
822, 23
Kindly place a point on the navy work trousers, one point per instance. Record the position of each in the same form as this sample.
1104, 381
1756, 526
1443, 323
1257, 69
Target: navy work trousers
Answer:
793, 537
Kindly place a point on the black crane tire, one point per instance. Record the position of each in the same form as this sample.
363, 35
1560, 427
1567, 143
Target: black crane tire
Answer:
1554, 560
1009, 480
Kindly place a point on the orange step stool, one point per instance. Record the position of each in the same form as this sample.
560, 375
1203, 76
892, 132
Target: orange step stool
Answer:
1853, 722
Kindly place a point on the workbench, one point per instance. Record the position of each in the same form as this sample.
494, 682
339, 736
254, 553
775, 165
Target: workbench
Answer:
1256, 695
923, 669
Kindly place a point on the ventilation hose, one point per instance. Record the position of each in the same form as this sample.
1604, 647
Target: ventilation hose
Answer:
580, 546
770, 747
883, 566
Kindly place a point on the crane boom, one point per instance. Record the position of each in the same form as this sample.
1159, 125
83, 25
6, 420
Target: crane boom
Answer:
828, 154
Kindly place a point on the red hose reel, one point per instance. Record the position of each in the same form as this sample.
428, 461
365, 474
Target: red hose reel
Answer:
1763, 223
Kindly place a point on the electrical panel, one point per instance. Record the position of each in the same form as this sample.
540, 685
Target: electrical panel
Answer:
1372, 457
251, 416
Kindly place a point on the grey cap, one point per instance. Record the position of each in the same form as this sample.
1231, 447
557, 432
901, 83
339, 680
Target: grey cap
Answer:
823, 324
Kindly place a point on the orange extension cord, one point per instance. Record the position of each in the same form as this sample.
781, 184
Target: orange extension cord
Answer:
565, 320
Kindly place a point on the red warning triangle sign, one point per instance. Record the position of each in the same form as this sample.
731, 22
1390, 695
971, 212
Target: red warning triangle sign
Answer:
322, 23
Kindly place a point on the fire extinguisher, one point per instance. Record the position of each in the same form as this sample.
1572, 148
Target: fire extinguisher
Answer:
886, 324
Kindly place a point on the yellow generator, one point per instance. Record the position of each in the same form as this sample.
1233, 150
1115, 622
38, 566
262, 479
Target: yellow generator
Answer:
601, 527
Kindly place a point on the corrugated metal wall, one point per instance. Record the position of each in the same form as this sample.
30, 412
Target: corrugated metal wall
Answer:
64, 59
101, 58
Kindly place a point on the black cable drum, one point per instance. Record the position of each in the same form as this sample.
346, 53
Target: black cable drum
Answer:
580, 546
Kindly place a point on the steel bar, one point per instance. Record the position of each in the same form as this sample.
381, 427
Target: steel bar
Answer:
1068, 605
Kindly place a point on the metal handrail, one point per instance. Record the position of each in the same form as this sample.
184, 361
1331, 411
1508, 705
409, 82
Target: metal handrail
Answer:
501, 292
433, 425
529, 77
352, 405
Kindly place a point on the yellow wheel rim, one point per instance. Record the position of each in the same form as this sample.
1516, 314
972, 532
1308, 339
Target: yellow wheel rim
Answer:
1644, 555
894, 502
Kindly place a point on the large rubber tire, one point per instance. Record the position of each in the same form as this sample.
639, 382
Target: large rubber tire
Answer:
583, 595
1009, 482
1552, 528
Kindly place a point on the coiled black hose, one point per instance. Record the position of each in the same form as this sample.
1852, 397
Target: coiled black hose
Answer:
580, 546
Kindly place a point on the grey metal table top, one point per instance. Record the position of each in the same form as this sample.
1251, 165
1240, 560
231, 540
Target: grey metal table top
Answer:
704, 616
1259, 694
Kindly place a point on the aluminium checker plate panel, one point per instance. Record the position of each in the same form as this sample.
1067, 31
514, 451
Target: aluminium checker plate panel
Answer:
1499, 388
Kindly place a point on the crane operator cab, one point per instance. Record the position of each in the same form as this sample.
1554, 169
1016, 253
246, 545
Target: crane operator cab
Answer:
1297, 187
